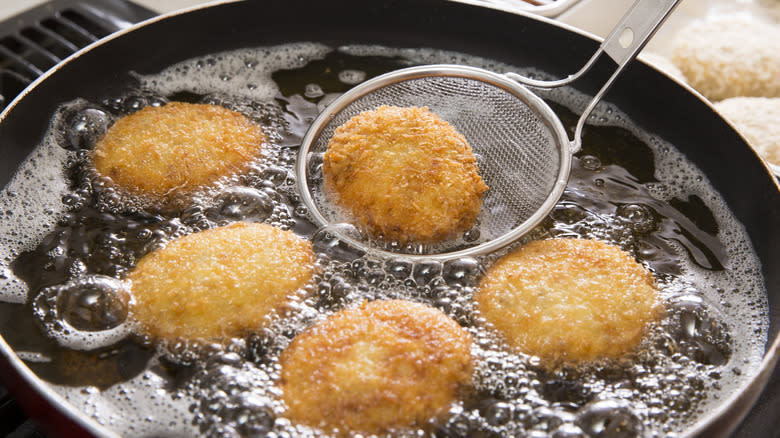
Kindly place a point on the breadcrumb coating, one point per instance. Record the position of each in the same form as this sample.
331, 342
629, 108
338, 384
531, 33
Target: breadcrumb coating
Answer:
569, 300
382, 366
404, 174
175, 148
729, 57
758, 119
220, 282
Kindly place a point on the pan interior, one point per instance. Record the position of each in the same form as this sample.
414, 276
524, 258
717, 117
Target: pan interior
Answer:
628, 187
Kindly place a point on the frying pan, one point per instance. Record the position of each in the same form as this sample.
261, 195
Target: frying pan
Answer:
656, 103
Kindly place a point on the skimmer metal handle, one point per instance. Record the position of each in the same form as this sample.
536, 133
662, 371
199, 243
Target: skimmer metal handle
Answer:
623, 44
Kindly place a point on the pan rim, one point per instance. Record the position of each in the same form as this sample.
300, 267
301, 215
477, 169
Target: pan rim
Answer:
769, 359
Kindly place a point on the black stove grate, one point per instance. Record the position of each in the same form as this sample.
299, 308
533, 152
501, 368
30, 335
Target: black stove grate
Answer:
37, 40
30, 44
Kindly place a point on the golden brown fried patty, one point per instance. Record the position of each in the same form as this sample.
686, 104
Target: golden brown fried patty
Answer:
219, 282
569, 299
159, 151
405, 174
384, 365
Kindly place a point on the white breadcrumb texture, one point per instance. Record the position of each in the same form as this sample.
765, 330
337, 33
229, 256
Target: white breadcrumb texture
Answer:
758, 119
729, 57
771, 8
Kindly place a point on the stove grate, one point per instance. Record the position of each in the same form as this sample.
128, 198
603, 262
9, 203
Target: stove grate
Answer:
38, 39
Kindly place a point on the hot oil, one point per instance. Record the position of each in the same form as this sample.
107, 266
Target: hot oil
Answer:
627, 188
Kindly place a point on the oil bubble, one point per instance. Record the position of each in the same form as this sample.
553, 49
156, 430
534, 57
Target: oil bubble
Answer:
84, 313
458, 426
301, 211
609, 419
84, 128
639, 217
249, 414
498, 413
157, 101
133, 104
313, 91
698, 330
334, 292
244, 204
91, 303
590, 162
568, 431
568, 213
399, 268
545, 418
471, 235
565, 390
97, 303
352, 77
461, 272
275, 175
113, 104
333, 240
424, 272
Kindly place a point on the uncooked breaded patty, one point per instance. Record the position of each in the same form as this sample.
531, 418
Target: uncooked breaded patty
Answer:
177, 147
385, 365
404, 174
219, 282
569, 300
758, 119
729, 57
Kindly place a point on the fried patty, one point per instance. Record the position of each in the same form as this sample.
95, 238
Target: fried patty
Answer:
218, 283
569, 300
404, 174
175, 148
382, 366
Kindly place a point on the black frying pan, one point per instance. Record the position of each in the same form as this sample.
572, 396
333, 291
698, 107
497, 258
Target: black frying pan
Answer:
655, 102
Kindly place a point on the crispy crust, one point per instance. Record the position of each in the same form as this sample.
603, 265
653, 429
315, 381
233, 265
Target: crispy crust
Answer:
385, 365
569, 300
404, 174
220, 282
160, 151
